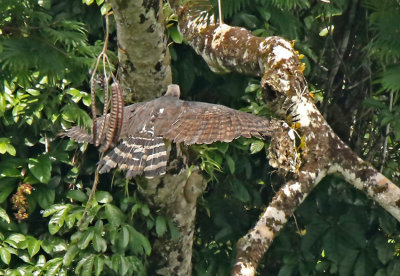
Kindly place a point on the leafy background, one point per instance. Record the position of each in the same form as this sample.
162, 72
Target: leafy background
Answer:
46, 51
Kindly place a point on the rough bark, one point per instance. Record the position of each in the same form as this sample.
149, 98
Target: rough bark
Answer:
144, 60
145, 72
176, 195
233, 49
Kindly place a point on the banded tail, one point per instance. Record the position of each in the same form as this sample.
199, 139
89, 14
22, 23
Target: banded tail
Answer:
137, 155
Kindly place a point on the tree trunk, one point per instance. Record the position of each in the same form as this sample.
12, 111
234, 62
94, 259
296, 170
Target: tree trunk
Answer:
145, 72
144, 60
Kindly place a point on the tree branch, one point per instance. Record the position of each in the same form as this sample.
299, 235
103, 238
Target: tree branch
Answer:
256, 242
233, 49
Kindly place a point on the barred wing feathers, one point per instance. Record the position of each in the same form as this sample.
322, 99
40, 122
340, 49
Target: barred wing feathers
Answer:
203, 123
146, 124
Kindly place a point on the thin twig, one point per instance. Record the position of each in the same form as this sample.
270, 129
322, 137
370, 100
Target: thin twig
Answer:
384, 154
220, 12
92, 192
92, 81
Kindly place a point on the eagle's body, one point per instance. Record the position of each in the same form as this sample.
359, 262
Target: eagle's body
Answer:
146, 124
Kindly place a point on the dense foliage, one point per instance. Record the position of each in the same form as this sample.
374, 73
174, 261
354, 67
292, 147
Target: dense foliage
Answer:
351, 49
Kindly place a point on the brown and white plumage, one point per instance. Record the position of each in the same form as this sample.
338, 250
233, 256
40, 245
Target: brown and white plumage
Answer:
146, 124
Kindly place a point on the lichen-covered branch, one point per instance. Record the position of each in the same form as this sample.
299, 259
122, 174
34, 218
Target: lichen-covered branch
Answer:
233, 49
144, 60
257, 241
366, 178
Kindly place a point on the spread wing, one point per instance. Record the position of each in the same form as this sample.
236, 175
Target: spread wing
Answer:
203, 123
144, 126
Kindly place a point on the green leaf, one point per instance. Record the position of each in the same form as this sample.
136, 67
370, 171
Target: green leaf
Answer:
252, 88
387, 119
387, 222
7, 185
256, 146
77, 195
105, 8
384, 249
362, 266
240, 191
315, 231
10, 172
40, 168
347, 264
173, 230
53, 266
4, 216
5, 146
139, 242
223, 233
80, 264
374, 103
52, 209
44, 195
33, 246
175, 35
57, 220
116, 262
5, 255
145, 210
286, 270
114, 214
390, 78
98, 265
99, 244
161, 226
69, 256
15, 239
231, 163
123, 237
103, 197
87, 266
85, 239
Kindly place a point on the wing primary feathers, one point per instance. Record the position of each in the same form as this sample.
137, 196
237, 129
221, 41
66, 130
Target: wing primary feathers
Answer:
143, 126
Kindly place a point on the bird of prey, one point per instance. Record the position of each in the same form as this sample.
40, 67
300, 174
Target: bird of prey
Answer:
146, 124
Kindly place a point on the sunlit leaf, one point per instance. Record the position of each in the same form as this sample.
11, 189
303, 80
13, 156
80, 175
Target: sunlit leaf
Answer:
4, 216
57, 220
85, 239
69, 256
33, 246
256, 146
103, 197
5, 146
5, 255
